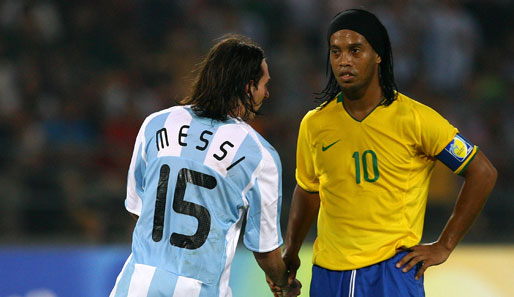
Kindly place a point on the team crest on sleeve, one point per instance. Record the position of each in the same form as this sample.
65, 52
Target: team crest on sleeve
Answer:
459, 148
455, 154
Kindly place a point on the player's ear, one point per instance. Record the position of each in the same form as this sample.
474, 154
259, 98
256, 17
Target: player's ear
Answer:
378, 59
250, 87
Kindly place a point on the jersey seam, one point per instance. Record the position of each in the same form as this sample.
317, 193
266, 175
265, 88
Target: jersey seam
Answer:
409, 176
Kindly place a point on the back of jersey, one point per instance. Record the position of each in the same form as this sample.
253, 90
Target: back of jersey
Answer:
191, 180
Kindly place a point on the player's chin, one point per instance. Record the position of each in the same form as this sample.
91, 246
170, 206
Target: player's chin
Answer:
347, 83
349, 87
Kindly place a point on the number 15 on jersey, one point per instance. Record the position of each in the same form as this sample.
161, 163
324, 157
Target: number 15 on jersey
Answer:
185, 176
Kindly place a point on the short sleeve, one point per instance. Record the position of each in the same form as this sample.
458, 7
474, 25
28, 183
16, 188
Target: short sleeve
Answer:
262, 231
435, 131
136, 173
441, 140
305, 170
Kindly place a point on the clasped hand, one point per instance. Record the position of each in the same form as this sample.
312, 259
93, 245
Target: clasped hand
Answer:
292, 289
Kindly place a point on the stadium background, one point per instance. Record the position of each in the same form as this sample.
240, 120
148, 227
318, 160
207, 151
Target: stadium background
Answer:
77, 79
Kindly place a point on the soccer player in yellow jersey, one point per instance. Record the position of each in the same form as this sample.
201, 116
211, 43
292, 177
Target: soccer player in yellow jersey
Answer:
364, 162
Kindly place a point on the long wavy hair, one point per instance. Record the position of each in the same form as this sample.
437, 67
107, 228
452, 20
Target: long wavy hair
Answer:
385, 75
219, 88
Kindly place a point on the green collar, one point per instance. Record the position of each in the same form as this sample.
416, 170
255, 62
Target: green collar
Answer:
340, 100
340, 97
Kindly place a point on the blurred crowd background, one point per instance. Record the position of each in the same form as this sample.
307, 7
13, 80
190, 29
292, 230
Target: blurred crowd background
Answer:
77, 78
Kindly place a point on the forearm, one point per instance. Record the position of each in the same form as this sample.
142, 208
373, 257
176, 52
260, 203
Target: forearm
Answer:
480, 179
304, 209
271, 263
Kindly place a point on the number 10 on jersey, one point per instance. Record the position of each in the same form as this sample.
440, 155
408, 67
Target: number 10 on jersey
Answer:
365, 170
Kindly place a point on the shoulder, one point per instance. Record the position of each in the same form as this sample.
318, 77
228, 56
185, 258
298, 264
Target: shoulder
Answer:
163, 112
258, 138
268, 152
179, 113
320, 113
408, 105
406, 102
311, 114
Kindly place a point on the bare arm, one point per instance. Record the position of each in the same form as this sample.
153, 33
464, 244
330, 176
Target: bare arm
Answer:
304, 209
272, 264
480, 177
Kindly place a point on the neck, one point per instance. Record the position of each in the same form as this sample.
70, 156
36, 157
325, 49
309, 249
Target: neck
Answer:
359, 103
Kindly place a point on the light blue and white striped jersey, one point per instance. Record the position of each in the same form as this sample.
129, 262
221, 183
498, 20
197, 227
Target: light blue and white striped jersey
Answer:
191, 180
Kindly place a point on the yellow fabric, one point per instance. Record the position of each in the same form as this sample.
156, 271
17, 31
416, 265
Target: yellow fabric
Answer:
363, 218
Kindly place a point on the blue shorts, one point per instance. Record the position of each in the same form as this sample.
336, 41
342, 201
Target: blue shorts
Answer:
379, 280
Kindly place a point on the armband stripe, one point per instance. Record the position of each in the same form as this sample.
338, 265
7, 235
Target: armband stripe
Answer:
310, 192
465, 166
303, 187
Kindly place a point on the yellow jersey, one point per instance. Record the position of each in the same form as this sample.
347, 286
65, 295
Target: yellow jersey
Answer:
372, 177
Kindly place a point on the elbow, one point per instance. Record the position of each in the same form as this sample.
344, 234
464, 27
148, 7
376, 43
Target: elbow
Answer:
489, 172
493, 174
488, 175
482, 171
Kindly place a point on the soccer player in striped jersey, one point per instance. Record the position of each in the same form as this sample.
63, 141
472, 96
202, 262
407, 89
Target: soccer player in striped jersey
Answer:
197, 170
364, 161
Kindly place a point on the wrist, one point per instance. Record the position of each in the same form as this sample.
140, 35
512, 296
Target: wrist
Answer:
282, 283
290, 249
446, 244
283, 286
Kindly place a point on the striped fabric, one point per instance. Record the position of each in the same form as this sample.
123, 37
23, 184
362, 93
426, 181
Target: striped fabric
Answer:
191, 181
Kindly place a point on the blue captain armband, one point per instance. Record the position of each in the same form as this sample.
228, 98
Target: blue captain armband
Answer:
458, 154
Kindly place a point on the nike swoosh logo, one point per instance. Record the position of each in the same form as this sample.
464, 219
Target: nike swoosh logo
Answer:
324, 148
